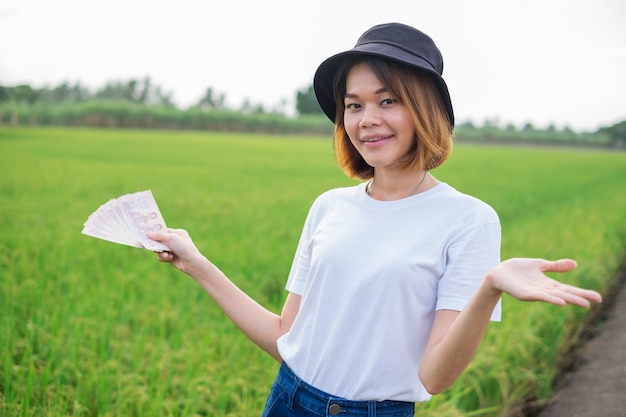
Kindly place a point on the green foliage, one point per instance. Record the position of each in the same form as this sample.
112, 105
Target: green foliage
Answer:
306, 102
616, 134
143, 104
490, 133
210, 102
129, 114
117, 108
210, 114
21, 93
137, 91
134, 91
89, 328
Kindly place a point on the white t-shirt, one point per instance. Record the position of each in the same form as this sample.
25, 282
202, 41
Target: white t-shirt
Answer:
371, 275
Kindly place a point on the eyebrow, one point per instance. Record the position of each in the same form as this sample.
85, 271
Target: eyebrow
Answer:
379, 91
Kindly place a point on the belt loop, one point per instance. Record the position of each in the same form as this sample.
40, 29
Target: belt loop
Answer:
371, 409
292, 393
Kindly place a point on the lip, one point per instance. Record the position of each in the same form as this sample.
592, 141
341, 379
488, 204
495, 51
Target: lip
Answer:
375, 140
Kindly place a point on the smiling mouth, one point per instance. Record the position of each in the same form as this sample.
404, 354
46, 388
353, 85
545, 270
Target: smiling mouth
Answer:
375, 139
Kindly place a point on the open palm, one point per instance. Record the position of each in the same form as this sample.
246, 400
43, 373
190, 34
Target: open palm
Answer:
525, 279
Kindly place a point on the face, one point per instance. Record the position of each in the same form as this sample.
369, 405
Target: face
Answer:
378, 124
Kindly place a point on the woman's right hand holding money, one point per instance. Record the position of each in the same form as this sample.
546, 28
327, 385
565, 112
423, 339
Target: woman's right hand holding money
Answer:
182, 249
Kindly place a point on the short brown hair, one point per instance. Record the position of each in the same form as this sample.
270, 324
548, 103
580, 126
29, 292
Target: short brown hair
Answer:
416, 90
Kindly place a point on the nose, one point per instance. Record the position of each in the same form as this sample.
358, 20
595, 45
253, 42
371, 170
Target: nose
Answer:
370, 116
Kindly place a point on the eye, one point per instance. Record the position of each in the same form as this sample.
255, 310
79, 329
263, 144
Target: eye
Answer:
352, 106
388, 102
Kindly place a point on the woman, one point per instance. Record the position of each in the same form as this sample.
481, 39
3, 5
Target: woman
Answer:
394, 280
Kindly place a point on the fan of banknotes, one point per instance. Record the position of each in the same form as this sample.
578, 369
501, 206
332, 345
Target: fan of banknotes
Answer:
127, 220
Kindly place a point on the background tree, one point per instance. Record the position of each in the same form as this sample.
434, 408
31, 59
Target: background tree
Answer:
136, 91
306, 103
212, 100
249, 107
65, 92
5, 93
616, 134
113, 90
23, 93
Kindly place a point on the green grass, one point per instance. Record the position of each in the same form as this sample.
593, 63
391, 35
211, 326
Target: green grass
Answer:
92, 328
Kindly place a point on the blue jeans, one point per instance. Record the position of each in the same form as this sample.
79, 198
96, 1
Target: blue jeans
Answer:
292, 397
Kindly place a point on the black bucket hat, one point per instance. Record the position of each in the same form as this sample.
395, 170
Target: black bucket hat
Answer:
394, 41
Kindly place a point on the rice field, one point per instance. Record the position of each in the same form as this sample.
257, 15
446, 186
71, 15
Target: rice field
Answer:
91, 328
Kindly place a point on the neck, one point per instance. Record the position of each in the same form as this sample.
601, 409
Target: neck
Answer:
396, 187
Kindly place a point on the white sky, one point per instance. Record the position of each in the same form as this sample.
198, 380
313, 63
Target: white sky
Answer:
543, 61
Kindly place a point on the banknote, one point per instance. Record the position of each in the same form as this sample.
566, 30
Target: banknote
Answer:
127, 220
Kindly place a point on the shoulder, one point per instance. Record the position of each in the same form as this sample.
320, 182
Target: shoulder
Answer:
337, 195
463, 206
336, 200
333, 200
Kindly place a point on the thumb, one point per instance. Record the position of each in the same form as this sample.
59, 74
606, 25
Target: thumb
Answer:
160, 236
560, 265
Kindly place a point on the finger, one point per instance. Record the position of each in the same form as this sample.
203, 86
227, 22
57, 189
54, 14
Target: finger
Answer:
577, 296
559, 298
561, 265
573, 299
165, 256
584, 293
546, 297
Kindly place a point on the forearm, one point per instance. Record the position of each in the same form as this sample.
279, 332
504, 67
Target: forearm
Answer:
448, 356
455, 337
256, 322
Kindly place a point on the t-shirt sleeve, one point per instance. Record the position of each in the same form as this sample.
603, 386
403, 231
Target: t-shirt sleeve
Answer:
301, 260
469, 258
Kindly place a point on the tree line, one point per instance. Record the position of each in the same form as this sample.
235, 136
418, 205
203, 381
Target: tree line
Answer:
140, 91
141, 103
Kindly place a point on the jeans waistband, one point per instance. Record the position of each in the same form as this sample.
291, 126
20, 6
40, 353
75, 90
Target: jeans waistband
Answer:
323, 404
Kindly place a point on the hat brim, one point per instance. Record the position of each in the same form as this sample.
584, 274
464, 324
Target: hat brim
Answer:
324, 76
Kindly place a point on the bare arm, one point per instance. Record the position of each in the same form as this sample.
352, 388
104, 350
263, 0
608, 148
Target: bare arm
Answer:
455, 336
255, 321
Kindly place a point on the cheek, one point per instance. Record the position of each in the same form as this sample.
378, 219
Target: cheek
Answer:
352, 134
352, 127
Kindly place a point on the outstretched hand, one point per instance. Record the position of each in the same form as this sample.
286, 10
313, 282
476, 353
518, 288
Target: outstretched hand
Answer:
525, 279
